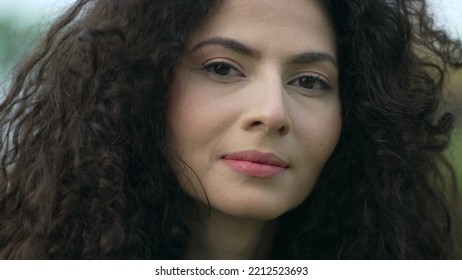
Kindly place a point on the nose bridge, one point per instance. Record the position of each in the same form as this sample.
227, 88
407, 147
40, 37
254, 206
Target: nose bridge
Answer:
268, 108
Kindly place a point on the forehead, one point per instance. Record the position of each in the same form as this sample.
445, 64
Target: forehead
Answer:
294, 22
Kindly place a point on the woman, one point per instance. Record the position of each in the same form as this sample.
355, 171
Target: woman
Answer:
231, 129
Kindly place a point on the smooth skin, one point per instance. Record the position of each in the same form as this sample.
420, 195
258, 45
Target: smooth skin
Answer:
260, 77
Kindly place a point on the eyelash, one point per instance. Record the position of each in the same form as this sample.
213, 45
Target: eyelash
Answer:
210, 69
321, 82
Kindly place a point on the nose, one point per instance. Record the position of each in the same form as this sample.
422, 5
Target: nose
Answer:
267, 108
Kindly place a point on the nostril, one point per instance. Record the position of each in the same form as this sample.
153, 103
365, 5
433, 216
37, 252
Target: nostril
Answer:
257, 123
283, 129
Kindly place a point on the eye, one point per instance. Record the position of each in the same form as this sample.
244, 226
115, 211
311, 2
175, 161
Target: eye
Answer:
311, 82
222, 70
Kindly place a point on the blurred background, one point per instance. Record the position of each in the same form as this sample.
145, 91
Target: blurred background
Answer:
22, 22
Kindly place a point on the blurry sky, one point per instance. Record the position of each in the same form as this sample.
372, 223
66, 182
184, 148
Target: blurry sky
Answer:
448, 12
32, 10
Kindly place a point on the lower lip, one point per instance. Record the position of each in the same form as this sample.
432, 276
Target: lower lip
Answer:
254, 169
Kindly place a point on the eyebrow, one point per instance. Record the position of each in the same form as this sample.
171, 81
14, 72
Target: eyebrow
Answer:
303, 58
310, 57
227, 43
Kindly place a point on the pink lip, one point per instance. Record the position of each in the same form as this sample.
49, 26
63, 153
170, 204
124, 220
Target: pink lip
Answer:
255, 163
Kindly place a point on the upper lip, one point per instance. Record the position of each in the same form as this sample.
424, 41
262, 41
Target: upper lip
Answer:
257, 157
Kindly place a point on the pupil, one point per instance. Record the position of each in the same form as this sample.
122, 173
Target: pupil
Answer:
221, 69
307, 82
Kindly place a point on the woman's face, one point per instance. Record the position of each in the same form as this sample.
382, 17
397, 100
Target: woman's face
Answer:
254, 108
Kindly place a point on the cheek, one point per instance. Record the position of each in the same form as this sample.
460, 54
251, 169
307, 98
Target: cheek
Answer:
318, 132
199, 111
195, 120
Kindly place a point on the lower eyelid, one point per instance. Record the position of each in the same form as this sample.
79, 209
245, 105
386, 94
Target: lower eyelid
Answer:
310, 92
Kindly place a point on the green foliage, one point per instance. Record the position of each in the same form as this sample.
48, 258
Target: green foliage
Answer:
455, 152
454, 105
16, 38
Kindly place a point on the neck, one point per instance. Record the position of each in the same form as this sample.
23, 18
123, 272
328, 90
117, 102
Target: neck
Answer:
227, 237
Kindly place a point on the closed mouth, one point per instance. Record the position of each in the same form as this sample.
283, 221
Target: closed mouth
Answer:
256, 163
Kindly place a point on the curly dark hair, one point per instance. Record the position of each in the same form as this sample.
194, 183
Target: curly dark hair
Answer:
84, 157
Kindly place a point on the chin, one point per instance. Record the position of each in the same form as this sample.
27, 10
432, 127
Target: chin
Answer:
255, 211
